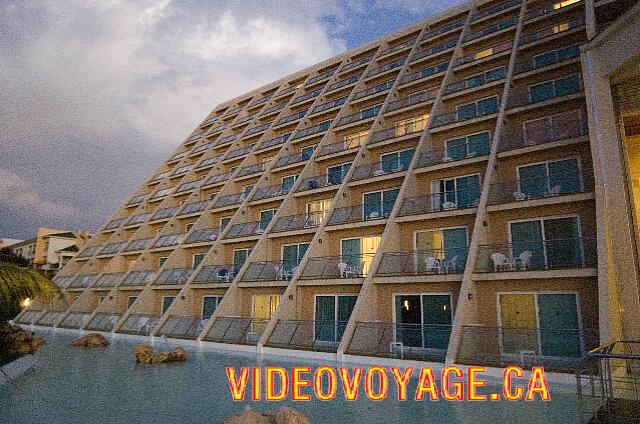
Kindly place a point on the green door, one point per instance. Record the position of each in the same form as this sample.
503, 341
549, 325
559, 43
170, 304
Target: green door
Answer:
408, 320
166, 302
351, 252
388, 200
325, 318
562, 243
467, 191
564, 176
436, 316
527, 236
533, 180
559, 327
455, 247
372, 208
345, 307
209, 305
239, 258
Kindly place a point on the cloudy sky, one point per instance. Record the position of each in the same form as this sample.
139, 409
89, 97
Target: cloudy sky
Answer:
96, 94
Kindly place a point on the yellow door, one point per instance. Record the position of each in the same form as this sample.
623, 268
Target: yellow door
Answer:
264, 306
369, 246
519, 323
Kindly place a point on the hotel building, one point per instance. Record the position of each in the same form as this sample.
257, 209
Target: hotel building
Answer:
463, 189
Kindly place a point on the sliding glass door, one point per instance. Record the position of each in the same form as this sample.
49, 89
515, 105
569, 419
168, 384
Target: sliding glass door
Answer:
332, 312
423, 320
553, 243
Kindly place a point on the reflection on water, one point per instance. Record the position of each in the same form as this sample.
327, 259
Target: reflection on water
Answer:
71, 385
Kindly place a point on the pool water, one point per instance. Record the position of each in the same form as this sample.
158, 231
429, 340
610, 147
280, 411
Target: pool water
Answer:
72, 385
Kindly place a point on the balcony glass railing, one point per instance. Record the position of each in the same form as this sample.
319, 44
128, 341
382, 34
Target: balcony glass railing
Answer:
320, 77
245, 119
274, 108
75, 320
551, 30
507, 23
260, 101
174, 276
194, 207
236, 330
188, 186
216, 274
203, 235
397, 47
359, 213
425, 342
298, 222
548, 58
217, 179
347, 81
183, 327
561, 349
160, 176
164, 213
114, 224
168, 240
412, 127
547, 8
209, 161
61, 281
414, 99
346, 266
306, 97
293, 158
257, 129
138, 199
271, 191
231, 199
291, 118
89, 251
141, 324
316, 129
244, 230
28, 316
466, 114
485, 53
111, 248
377, 169
543, 186
273, 142
50, 318
140, 244
557, 89
503, 6
270, 271
329, 105
137, 219
442, 30
218, 129
138, 278
423, 262
544, 133
103, 322
340, 146
226, 140
379, 88
178, 156
325, 180
319, 336
201, 148
83, 281
445, 201
356, 63
252, 169
239, 152
367, 113
386, 67
454, 153
431, 51
110, 280
476, 81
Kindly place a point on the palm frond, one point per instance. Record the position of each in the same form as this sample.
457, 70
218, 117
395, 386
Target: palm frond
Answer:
17, 282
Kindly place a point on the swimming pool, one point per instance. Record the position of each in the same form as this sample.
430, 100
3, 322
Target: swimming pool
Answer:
72, 385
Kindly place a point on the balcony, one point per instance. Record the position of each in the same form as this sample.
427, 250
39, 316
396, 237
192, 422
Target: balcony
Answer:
385, 68
291, 159
495, 9
216, 274
346, 266
560, 349
546, 133
537, 255
321, 181
413, 99
82, 281
245, 119
75, 320
139, 244
203, 235
485, 53
344, 145
217, 179
442, 30
270, 271
239, 152
441, 202
245, 229
178, 156
103, 322
356, 63
551, 30
174, 276
137, 199
28, 316
317, 336
228, 139
422, 342
183, 327
358, 213
138, 219
423, 262
230, 200
61, 281
343, 83
291, 118
218, 129
193, 207
109, 280
379, 88
140, 324
454, 154
236, 330
316, 129
273, 142
251, 169
89, 251
164, 213
114, 224
259, 101
257, 129
298, 222
367, 113
398, 47
507, 23
188, 186
424, 73
320, 77
476, 81
413, 127
547, 8
377, 169
274, 108
209, 161
424, 53
161, 193
50, 318
168, 240
562, 87
305, 97
160, 176
138, 278
271, 192
111, 248
466, 115
201, 148
541, 187
329, 105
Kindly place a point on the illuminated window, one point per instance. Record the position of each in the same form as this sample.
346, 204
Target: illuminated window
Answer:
560, 27
483, 53
564, 3
411, 125
355, 139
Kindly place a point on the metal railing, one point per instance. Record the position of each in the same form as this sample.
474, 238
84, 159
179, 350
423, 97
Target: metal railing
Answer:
379, 88
495, 9
357, 213
537, 255
103, 322
140, 244
231, 199
386, 67
75, 320
298, 222
367, 113
345, 266
608, 387
319, 181
486, 52
50, 318
182, 327
244, 229
551, 30
216, 274
329, 105
396, 340
142, 324
203, 235
28, 316
554, 131
412, 127
452, 154
377, 169
138, 278
439, 202
271, 191
551, 185
449, 260
423, 53
174, 276
236, 330
320, 336
561, 349
346, 144
414, 99
110, 279
270, 271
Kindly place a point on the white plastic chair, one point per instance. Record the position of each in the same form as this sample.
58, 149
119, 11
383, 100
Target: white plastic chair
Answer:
554, 191
499, 261
432, 264
525, 259
449, 205
374, 215
342, 268
451, 265
142, 323
518, 195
